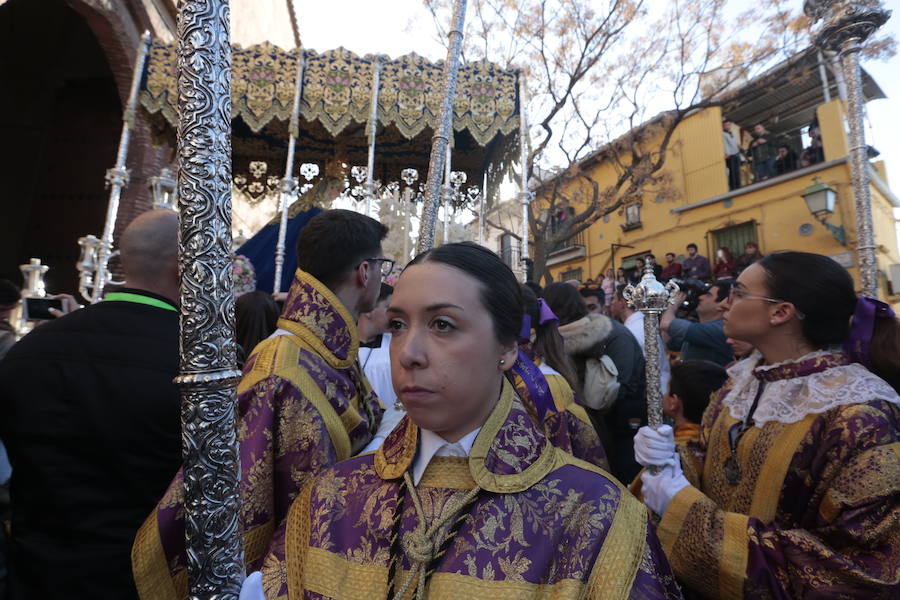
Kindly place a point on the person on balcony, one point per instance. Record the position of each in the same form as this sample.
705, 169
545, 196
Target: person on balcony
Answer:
732, 155
785, 160
762, 151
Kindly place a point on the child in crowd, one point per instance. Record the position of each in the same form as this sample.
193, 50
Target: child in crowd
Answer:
690, 387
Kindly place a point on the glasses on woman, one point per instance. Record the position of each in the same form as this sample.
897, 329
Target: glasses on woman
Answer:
387, 265
737, 293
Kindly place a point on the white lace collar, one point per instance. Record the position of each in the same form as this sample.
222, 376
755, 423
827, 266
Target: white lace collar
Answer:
789, 398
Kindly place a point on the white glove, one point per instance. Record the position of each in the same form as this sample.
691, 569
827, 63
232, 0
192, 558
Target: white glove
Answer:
659, 489
655, 447
252, 588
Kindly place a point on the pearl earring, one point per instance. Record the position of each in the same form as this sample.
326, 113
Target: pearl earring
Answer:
502, 361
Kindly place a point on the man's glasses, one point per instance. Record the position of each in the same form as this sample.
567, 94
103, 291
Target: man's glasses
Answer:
387, 265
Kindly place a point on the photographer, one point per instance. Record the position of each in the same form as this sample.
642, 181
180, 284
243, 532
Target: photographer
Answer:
704, 340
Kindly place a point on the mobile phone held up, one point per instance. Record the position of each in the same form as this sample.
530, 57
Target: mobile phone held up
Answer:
38, 309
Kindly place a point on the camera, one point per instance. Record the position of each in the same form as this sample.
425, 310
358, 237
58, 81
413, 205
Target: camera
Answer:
38, 309
693, 289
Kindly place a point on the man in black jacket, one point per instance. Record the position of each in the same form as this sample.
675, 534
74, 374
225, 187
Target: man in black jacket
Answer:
90, 417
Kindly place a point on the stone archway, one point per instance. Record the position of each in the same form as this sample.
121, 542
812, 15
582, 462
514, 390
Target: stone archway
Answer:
65, 67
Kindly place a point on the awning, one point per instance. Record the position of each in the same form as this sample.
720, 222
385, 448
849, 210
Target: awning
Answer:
335, 107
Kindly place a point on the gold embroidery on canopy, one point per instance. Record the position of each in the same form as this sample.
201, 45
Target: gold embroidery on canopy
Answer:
337, 90
448, 472
735, 550
620, 557
148, 563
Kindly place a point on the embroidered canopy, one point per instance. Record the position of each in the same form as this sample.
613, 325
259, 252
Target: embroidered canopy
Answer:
336, 105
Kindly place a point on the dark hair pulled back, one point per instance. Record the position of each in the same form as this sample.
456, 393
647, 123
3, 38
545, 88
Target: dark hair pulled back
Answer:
500, 292
823, 291
565, 302
548, 343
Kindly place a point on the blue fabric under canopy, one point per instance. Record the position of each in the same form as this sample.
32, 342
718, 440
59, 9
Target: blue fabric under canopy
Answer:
260, 249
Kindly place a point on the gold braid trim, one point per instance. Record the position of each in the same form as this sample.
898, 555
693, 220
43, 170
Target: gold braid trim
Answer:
620, 557
677, 511
279, 357
768, 486
148, 564
733, 563
296, 542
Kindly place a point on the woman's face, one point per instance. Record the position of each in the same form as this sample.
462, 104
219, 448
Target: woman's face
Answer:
445, 359
748, 317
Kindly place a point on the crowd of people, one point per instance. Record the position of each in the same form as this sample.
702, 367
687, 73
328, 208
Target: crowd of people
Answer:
459, 434
768, 155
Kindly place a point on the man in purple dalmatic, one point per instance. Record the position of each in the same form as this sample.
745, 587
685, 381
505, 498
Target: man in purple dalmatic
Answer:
695, 265
303, 401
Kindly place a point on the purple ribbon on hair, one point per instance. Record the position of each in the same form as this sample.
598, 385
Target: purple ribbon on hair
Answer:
862, 327
531, 384
545, 315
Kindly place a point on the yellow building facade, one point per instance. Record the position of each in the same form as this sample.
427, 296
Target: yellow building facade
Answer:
702, 211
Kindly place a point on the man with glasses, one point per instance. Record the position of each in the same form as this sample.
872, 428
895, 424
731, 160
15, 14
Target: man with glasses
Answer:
303, 401
704, 340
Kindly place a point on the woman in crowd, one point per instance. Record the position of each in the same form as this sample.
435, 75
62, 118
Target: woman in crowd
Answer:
615, 398
725, 264
255, 315
793, 490
545, 380
608, 285
466, 498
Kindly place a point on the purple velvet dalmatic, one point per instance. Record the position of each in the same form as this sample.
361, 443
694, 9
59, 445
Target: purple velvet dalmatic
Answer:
543, 523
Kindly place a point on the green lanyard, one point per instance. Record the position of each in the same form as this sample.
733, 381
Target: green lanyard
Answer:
138, 299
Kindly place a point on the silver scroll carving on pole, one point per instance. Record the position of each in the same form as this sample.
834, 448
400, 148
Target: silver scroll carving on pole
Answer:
372, 130
651, 298
444, 130
288, 183
846, 25
208, 375
93, 266
524, 194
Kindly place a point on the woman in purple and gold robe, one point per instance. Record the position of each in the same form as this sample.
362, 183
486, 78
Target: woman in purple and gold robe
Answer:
467, 498
793, 490
544, 378
303, 405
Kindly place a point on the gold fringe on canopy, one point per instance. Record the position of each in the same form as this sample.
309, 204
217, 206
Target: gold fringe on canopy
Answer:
337, 89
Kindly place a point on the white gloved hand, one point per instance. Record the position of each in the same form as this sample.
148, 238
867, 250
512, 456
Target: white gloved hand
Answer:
252, 588
655, 447
659, 489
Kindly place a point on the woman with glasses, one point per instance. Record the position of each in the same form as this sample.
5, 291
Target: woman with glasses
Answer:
467, 498
793, 490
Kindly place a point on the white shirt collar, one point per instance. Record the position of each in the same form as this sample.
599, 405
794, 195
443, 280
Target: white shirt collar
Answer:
431, 445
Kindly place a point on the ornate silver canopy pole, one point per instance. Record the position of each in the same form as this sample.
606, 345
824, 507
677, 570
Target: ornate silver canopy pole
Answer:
481, 210
117, 179
289, 183
372, 127
846, 25
447, 195
443, 131
651, 298
524, 194
208, 374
